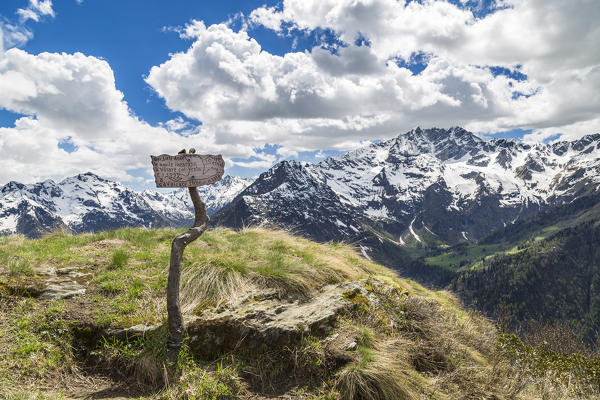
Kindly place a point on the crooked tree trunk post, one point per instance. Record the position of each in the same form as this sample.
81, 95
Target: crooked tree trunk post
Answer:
184, 170
178, 245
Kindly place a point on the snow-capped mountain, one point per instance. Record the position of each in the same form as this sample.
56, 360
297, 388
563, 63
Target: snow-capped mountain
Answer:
435, 185
215, 196
87, 202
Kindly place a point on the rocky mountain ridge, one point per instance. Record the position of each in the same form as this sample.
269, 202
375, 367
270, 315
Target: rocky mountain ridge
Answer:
89, 203
432, 186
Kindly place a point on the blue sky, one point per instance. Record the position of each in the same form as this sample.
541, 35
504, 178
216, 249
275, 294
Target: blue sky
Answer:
136, 34
262, 81
131, 36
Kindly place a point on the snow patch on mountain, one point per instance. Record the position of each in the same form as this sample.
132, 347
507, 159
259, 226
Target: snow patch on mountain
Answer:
87, 202
449, 181
412, 231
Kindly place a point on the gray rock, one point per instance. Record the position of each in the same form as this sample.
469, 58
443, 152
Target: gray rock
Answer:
135, 331
49, 271
331, 338
73, 273
352, 346
263, 322
61, 290
66, 271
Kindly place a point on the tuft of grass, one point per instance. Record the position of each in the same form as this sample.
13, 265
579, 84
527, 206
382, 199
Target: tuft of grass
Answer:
378, 375
366, 337
139, 358
367, 355
17, 266
218, 382
110, 282
119, 258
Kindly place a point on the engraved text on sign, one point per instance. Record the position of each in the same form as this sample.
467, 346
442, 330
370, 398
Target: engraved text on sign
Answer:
187, 170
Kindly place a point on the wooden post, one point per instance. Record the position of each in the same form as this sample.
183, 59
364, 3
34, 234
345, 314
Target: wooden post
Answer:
178, 245
184, 170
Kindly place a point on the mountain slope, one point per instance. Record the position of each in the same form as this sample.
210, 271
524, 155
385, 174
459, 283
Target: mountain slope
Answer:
215, 196
268, 315
520, 235
425, 187
291, 196
555, 279
543, 269
89, 203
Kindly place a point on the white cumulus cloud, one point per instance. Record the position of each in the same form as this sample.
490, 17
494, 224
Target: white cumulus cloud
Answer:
315, 99
35, 10
72, 97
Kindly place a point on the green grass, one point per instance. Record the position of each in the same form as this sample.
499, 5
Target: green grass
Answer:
547, 231
35, 341
120, 257
130, 266
464, 254
472, 255
366, 337
17, 266
396, 334
467, 256
110, 282
367, 355
218, 383
446, 260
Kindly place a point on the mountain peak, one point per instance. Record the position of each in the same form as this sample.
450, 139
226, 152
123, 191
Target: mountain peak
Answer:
88, 202
90, 175
11, 186
447, 184
435, 135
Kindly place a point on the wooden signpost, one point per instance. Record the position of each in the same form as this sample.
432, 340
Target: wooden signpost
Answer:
184, 170
187, 170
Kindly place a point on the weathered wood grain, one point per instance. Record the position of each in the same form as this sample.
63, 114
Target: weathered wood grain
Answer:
187, 170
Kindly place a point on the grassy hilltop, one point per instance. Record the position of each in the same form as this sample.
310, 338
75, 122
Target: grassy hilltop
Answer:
392, 339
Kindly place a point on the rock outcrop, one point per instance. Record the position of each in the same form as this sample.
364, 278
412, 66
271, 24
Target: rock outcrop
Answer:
260, 321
